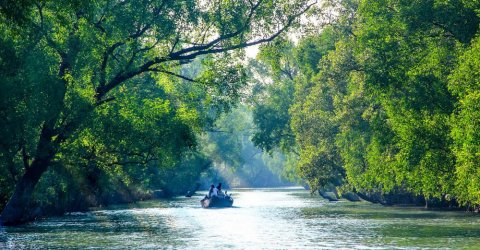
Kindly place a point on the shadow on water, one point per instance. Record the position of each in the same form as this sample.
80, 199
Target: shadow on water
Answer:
431, 231
221, 208
364, 210
405, 226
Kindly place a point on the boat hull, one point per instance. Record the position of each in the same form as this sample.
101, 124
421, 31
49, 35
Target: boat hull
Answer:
217, 202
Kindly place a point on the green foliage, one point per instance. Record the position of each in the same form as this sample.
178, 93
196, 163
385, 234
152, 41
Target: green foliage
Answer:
113, 93
272, 119
236, 161
278, 114
408, 75
465, 85
392, 107
271, 102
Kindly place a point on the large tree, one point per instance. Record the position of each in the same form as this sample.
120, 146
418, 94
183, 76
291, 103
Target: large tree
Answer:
64, 60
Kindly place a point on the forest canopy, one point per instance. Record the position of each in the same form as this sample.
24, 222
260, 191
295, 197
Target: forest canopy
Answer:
104, 101
100, 98
385, 101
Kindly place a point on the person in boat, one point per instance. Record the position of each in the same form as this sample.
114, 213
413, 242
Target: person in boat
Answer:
213, 191
208, 194
220, 192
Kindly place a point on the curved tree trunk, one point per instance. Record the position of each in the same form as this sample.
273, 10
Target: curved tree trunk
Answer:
15, 212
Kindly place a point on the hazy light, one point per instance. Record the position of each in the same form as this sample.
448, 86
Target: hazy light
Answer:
252, 51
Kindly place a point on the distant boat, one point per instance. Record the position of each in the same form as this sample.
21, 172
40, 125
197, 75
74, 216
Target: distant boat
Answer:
217, 201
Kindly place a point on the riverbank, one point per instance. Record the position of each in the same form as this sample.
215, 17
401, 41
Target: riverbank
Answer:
130, 197
399, 199
84, 203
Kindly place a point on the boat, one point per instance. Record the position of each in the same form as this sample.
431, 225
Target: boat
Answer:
217, 201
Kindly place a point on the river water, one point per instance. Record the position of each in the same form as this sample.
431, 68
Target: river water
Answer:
286, 218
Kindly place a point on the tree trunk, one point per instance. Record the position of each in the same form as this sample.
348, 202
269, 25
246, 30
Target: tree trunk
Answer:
15, 212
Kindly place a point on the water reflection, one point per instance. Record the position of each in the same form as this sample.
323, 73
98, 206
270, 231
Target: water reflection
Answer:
260, 219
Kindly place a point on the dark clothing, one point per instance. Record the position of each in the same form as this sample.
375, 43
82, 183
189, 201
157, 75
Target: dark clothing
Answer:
210, 192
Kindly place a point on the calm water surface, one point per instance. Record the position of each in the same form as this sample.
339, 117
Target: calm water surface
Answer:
260, 219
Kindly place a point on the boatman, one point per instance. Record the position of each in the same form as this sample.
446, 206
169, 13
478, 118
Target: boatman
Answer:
213, 191
219, 190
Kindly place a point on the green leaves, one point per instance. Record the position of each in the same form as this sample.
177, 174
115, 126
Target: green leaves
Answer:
104, 85
464, 84
392, 106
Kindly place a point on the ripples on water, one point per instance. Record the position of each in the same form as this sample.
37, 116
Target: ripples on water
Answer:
260, 219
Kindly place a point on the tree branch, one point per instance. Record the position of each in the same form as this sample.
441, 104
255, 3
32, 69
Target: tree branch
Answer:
103, 66
147, 26
25, 158
174, 74
106, 100
40, 12
190, 53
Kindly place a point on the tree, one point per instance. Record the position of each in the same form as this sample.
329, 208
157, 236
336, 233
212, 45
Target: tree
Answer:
406, 52
276, 111
78, 54
270, 108
465, 85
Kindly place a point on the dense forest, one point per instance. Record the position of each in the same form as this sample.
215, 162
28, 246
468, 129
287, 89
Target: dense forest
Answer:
104, 101
383, 102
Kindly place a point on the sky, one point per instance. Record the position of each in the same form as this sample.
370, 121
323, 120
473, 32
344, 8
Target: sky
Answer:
252, 51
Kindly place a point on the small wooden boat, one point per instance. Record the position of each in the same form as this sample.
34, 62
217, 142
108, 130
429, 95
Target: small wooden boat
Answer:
217, 201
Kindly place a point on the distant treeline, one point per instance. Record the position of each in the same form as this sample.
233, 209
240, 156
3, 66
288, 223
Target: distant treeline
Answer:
384, 100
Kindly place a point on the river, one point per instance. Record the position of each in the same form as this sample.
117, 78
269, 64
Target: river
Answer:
287, 218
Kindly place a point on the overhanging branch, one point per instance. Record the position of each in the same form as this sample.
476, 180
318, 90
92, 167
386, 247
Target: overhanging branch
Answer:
173, 74
192, 52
